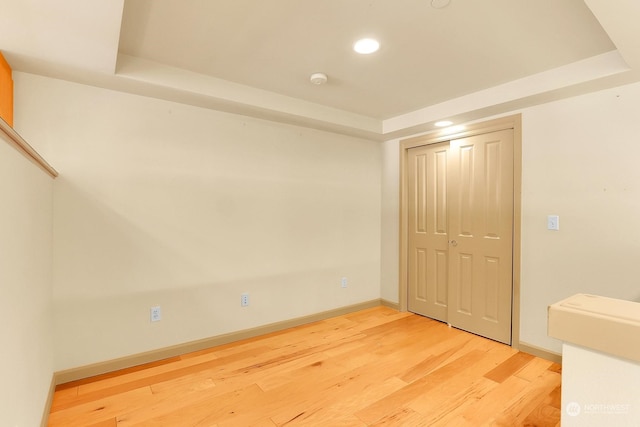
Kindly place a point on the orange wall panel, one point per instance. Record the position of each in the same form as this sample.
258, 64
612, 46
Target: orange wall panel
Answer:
6, 91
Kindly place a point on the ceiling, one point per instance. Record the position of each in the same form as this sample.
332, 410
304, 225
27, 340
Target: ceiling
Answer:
427, 55
464, 61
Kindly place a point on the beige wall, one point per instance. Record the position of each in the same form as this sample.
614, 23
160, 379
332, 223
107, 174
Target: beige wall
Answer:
165, 204
390, 233
26, 357
581, 162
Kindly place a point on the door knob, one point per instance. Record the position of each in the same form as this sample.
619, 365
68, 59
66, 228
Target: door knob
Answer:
454, 243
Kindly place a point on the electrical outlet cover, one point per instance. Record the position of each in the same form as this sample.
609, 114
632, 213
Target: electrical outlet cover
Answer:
244, 300
156, 314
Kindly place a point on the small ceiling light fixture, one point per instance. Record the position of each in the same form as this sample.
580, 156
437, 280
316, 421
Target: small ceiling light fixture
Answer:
366, 46
440, 4
453, 129
318, 78
443, 123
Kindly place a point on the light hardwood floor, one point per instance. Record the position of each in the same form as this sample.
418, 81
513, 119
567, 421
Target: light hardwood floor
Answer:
375, 367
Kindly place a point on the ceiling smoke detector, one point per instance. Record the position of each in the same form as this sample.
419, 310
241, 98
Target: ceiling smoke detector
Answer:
318, 78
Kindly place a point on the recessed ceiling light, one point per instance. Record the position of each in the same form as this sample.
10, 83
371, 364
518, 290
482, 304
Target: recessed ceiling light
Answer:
366, 46
453, 129
443, 123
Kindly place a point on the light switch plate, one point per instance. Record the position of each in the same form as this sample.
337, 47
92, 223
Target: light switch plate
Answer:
553, 222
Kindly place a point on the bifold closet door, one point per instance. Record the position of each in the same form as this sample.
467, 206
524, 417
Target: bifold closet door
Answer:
428, 254
461, 233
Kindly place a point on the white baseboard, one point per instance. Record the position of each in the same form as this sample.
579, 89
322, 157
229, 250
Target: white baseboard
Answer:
540, 352
390, 304
49, 402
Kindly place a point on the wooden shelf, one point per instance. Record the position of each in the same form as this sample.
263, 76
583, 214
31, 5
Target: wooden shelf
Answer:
16, 141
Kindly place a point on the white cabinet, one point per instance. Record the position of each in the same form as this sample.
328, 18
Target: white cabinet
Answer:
600, 360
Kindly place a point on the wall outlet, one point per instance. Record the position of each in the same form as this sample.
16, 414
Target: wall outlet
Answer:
343, 282
244, 299
156, 314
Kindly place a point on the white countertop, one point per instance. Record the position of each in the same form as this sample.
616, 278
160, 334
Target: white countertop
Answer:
608, 325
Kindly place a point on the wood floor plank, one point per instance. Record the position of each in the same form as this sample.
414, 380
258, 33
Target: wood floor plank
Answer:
442, 404
116, 374
482, 411
292, 371
374, 367
375, 316
101, 410
344, 394
466, 385
127, 383
64, 396
140, 376
435, 359
555, 367
555, 397
203, 411
384, 407
356, 346
534, 369
446, 406
111, 422
547, 413
401, 417
509, 367
221, 389
525, 404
